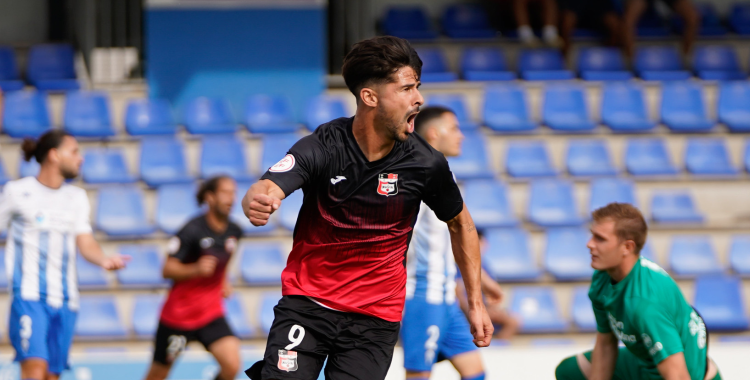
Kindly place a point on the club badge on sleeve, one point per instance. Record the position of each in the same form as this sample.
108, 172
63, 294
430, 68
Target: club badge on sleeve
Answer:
287, 360
388, 184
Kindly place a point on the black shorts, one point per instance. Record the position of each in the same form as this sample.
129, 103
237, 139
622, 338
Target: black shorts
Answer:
171, 342
304, 333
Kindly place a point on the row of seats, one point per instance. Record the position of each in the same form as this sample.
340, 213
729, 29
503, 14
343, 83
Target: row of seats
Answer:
50, 68
652, 63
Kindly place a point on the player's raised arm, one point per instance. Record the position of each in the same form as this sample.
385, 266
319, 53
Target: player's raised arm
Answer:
603, 357
261, 200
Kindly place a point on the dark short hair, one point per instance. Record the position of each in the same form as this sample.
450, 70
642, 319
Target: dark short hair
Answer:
426, 115
41, 147
209, 186
629, 222
376, 60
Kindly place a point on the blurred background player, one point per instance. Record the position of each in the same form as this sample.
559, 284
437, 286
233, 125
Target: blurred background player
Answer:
197, 263
634, 9
597, 14
525, 14
48, 219
637, 302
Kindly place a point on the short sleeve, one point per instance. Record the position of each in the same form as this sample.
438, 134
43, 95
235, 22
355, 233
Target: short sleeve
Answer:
602, 322
657, 330
83, 219
441, 191
598, 281
302, 164
182, 245
7, 208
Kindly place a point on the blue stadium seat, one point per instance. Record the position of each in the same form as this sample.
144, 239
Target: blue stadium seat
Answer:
734, 105
589, 158
324, 108
105, 165
583, 313
409, 22
98, 319
209, 116
467, 21
28, 168
566, 257
144, 269
175, 206
269, 114
485, 64
473, 163
674, 207
120, 212
552, 204
565, 109
739, 255
624, 108
163, 162
25, 114
710, 23
238, 216
262, 263
739, 18
746, 160
507, 257
537, 308
90, 276
506, 109
543, 64
717, 63
9, 78
683, 108
223, 155
528, 159
3, 175
275, 147
487, 200
648, 157
660, 63
237, 319
456, 103
267, 303
708, 156
146, 312
51, 68
647, 252
721, 303
289, 211
693, 255
602, 64
149, 117
608, 190
87, 114
435, 66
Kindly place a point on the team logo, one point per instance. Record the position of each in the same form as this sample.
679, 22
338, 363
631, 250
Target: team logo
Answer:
287, 360
286, 164
388, 184
230, 245
173, 245
207, 242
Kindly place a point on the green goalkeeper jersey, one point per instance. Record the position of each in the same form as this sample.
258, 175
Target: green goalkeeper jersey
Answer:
648, 313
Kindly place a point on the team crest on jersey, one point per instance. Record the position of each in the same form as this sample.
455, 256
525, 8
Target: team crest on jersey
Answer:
287, 360
286, 164
230, 245
388, 184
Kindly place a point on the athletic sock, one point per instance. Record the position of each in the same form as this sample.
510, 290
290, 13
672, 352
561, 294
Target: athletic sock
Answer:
549, 34
477, 377
568, 370
525, 34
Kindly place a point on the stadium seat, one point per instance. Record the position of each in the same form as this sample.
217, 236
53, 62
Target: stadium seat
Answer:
552, 204
9, 78
238, 216
507, 257
27, 168
543, 64
175, 206
739, 255
435, 66
565, 109
237, 319
721, 303
51, 68
587, 158
647, 252
708, 156
467, 21
163, 162
485, 64
146, 313
324, 108
583, 313
275, 147
409, 22
473, 163
739, 18
487, 200
90, 276
683, 108
3, 273
98, 319
608, 190
269, 114
457, 104
602, 64
693, 255
674, 207
660, 63
710, 23
144, 269
717, 63
267, 303
87, 114
528, 158
149, 117
105, 165
537, 309
25, 114
734, 105
624, 108
223, 155
290, 211
746, 160
648, 157
506, 109
3, 175
566, 257
262, 264
209, 116
120, 212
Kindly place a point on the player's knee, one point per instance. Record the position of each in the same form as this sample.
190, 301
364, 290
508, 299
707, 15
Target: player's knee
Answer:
568, 370
229, 370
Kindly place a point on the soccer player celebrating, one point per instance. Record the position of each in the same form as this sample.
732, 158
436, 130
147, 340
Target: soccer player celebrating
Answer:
363, 180
197, 262
637, 302
48, 220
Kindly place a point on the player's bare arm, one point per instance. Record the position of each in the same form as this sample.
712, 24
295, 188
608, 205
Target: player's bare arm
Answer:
603, 358
261, 200
176, 270
92, 252
674, 367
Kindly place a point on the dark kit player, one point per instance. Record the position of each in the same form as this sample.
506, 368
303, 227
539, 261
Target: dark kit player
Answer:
198, 258
363, 180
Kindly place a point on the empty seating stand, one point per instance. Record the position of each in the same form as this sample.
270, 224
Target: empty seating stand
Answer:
457, 104
435, 66
717, 63
3, 175
473, 163
721, 303
87, 114
608, 190
565, 109
275, 147
209, 116
487, 200
269, 114
734, 106
98, 319
566, 257
507, 257
10, 80
624, 108
739, 255
28, 168
551, 204
90, 276
537, 309
693, 255
409, 22
739, 18
237, 319
485, 64
648, 157
543, 64
223, 155
506, 109
262, 264
290, 211
324, 108
149, 117
587, 158
175, 206
683, 108
144, 269
105, 165
51, 67
163, 161
708, 157
583, 314
602, 64
238, 215
660, 63
527, 159
146, 313
674, 206
120, 212
467, 21
267, 303
25, 114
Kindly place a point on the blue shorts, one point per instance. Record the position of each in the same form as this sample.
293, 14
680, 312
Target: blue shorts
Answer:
38, 330
430, 333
